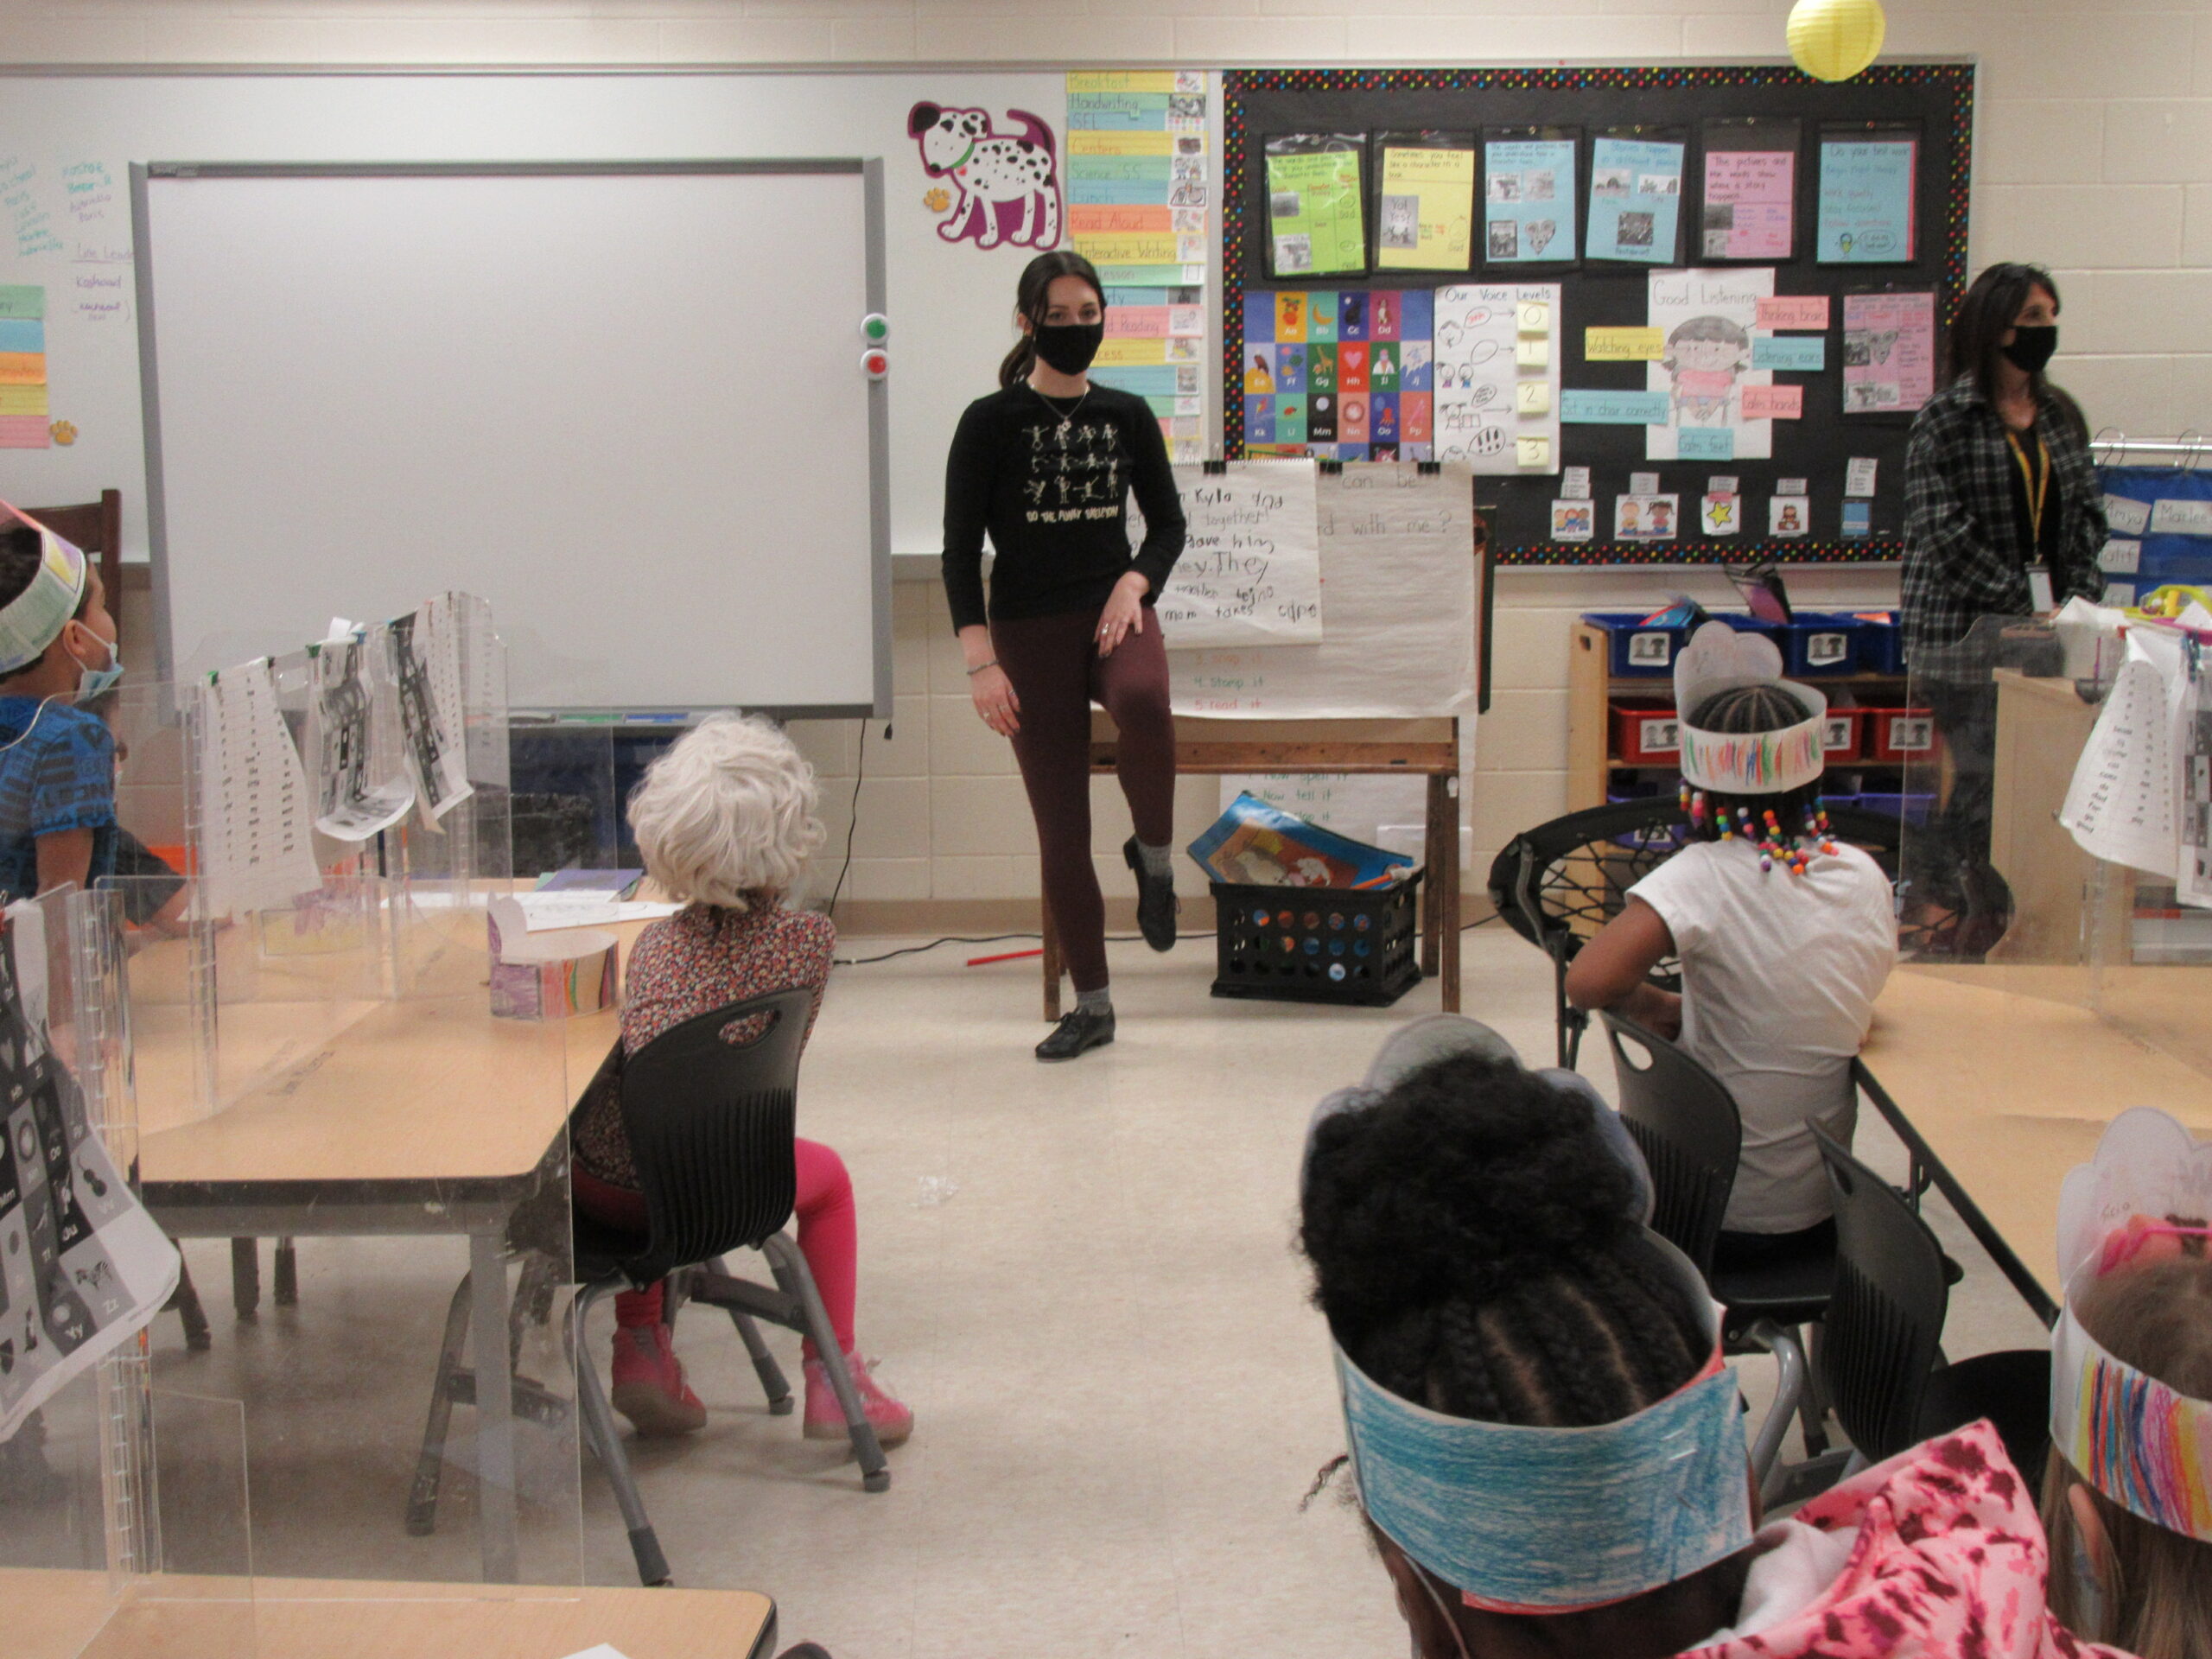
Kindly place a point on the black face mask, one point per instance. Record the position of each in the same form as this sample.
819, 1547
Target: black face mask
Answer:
1069, 347
2031, 348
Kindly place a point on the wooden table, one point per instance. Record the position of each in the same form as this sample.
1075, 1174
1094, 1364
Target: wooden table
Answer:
423, 1115
1998, 1091
1420, 748
60, 1615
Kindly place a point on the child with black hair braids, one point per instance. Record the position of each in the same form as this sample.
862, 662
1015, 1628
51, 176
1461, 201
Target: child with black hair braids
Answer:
1785, 937
1547, 1447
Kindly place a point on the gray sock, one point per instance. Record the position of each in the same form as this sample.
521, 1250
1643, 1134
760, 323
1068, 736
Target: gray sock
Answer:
1098, 1001
1158, 860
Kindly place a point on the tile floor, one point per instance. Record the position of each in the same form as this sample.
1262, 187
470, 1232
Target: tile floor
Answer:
1080, 1276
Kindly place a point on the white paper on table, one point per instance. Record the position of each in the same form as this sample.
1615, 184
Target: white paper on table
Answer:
1250, 572
1478, 417
257, 837
1704, 378
516, 944
2089, 636
425, 656
604, 1650
1398, 566
360, 784
544, 911
2121, 805
83, 1268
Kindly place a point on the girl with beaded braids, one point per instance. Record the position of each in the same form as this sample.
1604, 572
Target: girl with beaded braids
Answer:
1785, 937
1546, 1444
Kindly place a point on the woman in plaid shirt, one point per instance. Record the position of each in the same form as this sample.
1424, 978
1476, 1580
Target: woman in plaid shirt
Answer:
1998, 478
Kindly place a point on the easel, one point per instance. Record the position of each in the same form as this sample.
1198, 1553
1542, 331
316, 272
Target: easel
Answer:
1427, 749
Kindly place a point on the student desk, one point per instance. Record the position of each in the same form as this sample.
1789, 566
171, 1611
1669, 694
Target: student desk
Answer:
51, 1613
1420, 748
423, 1116
1998, 1092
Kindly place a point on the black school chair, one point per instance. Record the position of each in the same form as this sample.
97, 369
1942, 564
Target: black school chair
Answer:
709, 1125
1557, 884
1686, 1124
1881, 1359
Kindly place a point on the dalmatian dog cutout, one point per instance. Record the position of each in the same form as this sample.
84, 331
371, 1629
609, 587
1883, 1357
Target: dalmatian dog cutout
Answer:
1008, 186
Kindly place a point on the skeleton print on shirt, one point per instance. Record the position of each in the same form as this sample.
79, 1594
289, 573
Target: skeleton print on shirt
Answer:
1077, 470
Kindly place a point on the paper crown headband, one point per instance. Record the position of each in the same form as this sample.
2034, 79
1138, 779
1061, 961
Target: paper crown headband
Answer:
1719, 659
1526, 1520
2143, 1445
30, 622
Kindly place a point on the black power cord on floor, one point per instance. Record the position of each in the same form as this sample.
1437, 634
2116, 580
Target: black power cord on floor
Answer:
853, 816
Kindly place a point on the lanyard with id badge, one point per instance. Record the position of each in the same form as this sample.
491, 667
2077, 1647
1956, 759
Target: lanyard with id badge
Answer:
2035, 483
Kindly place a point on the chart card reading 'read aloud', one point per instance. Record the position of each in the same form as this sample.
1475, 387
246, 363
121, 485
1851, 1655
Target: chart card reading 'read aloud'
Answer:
1250, 574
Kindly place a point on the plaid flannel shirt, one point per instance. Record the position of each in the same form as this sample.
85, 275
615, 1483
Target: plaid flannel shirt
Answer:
1966, 537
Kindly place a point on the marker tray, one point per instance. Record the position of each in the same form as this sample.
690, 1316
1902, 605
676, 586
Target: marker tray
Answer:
1353, 946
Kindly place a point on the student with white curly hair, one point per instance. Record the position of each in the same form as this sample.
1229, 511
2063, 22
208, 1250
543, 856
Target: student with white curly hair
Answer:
725, 821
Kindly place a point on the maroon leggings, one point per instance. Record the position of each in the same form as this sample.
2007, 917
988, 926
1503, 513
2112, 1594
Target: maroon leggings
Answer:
1057, 673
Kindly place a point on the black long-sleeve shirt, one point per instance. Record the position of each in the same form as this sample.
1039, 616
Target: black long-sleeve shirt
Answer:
1051, 483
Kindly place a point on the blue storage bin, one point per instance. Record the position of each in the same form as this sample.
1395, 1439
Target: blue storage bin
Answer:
1818, 644
1881, 648
1638, 652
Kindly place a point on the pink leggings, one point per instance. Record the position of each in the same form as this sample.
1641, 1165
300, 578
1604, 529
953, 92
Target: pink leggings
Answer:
829, 1234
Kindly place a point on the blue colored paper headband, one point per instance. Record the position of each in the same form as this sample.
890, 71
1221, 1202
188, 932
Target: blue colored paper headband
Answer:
1534, 1520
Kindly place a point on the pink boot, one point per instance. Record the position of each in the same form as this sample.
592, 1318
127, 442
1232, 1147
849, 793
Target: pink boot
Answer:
825, 1418
648, 1386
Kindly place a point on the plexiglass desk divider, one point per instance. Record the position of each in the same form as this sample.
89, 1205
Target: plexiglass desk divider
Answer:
1980, 754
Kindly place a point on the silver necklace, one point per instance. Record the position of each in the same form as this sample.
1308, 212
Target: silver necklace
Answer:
1066, 421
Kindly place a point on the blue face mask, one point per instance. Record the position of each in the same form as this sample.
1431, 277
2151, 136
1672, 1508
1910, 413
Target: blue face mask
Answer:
97, 680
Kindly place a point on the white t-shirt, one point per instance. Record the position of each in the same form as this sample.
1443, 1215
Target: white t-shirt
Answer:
1779, 978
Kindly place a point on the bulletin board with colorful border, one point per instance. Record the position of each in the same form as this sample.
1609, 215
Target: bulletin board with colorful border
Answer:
1936, 98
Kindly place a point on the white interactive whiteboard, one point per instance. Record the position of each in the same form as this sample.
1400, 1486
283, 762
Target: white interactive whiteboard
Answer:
626, 402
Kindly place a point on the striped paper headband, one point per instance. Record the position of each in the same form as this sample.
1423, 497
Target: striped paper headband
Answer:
2143, 1444
1719, 658
31, 622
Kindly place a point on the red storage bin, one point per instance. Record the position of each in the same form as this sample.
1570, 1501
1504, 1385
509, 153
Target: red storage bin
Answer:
1841, 734
1899, 737
1646, 734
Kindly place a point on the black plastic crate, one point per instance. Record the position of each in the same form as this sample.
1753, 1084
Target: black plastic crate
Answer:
1317, 944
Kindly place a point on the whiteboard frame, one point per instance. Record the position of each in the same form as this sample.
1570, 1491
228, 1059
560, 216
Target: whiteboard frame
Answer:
870, 169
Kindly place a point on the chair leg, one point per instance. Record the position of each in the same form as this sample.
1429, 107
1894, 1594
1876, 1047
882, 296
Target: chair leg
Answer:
607, 1445
1790, 1390
764, 1363
796, 1281
1813, 1414
197, 1337
430, 1463
245, 1279
288, 1274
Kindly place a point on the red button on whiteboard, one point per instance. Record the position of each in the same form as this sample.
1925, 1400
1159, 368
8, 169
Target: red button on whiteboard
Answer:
875, 363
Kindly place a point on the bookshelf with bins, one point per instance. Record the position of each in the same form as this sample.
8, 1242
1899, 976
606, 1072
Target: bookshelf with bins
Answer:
1621, 714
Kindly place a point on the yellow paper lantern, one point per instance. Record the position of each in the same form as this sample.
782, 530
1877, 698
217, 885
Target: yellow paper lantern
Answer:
1833, 40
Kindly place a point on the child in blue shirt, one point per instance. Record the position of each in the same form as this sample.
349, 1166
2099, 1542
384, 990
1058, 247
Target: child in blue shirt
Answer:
57, 759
